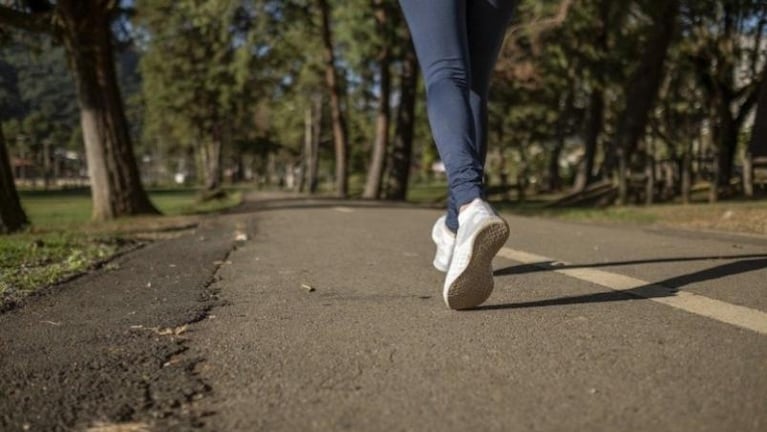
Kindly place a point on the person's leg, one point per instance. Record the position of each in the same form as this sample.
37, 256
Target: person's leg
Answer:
439, 35
486, 23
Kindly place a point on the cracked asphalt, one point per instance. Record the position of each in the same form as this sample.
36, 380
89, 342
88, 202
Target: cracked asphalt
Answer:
330, 317
109, 347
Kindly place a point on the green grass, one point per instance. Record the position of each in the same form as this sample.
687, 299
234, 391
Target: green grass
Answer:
62, 241
747, 216
606, 215
30, 261
68, 209
427, 193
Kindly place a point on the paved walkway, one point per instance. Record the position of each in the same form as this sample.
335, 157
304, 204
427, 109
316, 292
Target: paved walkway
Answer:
589, 328
374, 348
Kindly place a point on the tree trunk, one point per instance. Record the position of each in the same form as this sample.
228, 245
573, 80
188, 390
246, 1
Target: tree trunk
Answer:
383, 117
687, 174
553, 177
211, 163
727, 141
314, 159
649, 180
12, 216
554, 180
585, 174
596, 113
306, 153
310, 158
115, 181
643, 87
339, 123
758, 145
402, 149
623, 178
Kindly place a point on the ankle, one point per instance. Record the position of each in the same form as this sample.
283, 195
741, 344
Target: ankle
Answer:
465, 206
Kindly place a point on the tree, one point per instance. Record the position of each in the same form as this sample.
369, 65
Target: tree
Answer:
598, 66
383, 116
642, 92
12, 216
192, 84
83, 27
340, 135
758, 144
719, 59
402, 146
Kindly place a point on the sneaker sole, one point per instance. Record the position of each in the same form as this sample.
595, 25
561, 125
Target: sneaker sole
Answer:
472, 287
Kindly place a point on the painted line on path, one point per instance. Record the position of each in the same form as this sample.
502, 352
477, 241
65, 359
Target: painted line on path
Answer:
697, 304
343, 209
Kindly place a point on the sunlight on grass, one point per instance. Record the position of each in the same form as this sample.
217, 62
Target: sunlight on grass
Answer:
70, 208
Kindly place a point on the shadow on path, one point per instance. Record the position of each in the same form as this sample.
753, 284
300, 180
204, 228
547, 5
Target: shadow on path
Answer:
554, 265
664, 288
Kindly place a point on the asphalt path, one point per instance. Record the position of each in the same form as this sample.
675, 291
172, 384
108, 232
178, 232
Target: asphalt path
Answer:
330, 317
373, 347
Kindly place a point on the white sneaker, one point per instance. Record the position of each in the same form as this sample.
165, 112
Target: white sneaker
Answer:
481, 234
445, 240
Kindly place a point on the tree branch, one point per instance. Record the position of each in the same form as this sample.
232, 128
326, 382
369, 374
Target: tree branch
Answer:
541, 25
37, 23
747, 105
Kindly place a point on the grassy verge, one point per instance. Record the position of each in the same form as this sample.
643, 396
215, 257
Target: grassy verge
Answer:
62, 242
31, 261
733, 216
71, 209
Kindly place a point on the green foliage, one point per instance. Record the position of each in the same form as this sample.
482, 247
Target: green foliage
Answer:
37, 97
249, 70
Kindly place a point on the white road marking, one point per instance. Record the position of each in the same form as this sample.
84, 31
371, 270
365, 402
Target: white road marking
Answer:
740, 316
343, 209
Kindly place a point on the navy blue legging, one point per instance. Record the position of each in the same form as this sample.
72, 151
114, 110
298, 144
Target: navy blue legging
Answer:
457, 44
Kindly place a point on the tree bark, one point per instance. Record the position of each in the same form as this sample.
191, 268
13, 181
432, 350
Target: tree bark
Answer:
687, 173
649, 197
585, 174
642, 89
310, 156
314, 160
757, 147
731, 105
402, 149
383, 116
211, 162
306, 153
337, 115
12, 216
115, 181
596, 110
554, 179
727, 140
